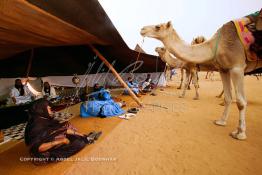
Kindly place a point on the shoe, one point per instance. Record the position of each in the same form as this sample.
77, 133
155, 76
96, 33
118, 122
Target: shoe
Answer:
92, 137
133, 110
129, 115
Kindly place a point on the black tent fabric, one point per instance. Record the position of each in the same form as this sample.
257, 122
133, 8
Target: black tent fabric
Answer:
60, 32
68, 60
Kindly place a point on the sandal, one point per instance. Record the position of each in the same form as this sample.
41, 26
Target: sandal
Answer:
92, 136
133, 110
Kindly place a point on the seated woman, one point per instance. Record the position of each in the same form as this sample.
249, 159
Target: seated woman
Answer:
49, 140
48, 91
133, 86
100, 104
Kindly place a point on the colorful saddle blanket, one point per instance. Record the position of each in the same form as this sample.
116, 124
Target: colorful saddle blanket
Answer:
245, 35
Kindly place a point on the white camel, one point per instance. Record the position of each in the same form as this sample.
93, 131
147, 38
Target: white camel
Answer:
225, 51
189, 68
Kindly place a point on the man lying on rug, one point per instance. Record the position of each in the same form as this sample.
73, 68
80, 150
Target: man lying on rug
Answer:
100, 104
49, 140
20, 93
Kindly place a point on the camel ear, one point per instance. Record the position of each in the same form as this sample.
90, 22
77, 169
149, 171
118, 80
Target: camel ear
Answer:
168, 24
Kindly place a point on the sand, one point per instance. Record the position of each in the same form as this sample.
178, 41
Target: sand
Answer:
179, 140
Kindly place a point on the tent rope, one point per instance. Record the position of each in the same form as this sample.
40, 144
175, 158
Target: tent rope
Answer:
138, 55
76, 90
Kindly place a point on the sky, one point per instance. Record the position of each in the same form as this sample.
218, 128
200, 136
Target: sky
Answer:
190, 18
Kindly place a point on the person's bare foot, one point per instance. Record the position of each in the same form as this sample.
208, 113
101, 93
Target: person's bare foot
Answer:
63, 141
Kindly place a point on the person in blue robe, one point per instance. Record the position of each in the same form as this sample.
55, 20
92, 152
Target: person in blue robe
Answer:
133, 86
100, 104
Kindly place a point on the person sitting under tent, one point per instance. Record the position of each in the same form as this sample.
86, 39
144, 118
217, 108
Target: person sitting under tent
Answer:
100, 104
48, 139
48, 91
133, 86
148, 85
20, 93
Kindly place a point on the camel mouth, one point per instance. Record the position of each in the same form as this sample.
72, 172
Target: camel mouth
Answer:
143, 32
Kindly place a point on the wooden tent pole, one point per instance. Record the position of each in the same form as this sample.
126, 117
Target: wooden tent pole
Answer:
29, 63
116, 74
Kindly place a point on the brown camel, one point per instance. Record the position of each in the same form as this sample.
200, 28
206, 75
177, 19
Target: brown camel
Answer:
225, 51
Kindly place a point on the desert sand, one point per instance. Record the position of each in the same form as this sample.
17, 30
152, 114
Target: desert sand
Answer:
181, 139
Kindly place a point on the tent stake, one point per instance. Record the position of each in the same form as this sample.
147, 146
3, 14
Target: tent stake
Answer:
102, 58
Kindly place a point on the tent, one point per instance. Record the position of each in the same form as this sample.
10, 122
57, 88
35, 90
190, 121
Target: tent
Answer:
51, 39
59, 32
40, 38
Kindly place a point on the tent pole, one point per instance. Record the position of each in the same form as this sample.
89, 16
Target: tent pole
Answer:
30, 63
102, 58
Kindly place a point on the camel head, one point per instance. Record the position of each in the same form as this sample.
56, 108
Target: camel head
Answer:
160, 50
157, 31
163, 53
198, 40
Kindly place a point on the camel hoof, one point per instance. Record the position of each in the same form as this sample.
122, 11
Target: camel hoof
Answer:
179, 88
222, 104
239, 135
196, 98
181, 96
220, 122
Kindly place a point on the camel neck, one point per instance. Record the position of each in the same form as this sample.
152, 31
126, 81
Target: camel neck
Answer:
199, 53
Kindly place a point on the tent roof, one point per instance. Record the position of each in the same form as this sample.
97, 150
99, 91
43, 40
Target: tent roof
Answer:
59, 32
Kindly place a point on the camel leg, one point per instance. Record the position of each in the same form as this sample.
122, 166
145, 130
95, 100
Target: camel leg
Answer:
212, 76
225, 76
237, 75
195, 82
197, 78
220, 95
190, 80
206, 75
182, 78
186, 84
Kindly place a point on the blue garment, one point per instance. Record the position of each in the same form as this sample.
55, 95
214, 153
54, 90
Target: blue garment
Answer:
102, 106
173, 72
133, 87
102, 94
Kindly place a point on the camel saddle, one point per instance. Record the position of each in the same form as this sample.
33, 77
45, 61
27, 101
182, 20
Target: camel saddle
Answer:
249, 30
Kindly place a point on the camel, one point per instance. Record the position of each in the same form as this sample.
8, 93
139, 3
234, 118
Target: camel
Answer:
225, 51
189, 68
